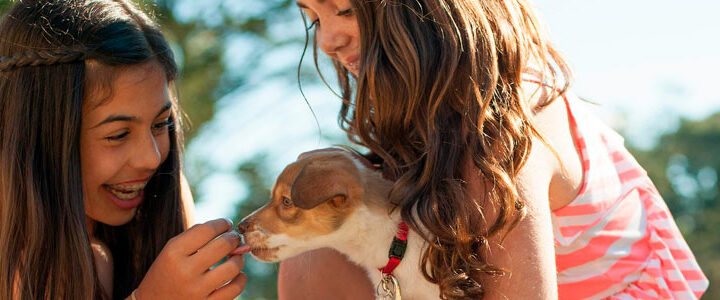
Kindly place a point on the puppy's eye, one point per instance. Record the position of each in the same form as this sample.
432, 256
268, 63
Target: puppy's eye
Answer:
287, 202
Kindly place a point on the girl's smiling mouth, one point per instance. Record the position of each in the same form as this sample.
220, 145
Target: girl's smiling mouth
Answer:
126, 195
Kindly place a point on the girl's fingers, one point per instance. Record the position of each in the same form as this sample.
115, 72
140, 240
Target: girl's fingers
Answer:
197, 236
231, 290
215, 250
223, 273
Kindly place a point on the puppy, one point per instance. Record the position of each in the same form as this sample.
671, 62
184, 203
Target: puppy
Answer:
335, 198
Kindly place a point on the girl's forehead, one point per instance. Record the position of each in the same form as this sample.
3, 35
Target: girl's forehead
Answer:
137, 94
103, 82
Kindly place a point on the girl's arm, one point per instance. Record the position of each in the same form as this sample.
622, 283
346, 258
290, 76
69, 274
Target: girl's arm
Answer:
528, 250
322, 274
544, 183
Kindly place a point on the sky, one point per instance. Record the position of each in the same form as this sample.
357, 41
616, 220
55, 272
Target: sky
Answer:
647, 63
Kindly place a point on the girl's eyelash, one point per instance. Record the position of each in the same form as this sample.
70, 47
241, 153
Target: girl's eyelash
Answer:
167, 123
345, 12
118, 136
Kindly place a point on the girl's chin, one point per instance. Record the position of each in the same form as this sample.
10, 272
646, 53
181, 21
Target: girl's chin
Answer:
104, 209
113, 218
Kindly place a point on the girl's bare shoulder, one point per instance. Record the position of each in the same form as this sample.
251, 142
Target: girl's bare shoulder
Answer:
103, 264
559, 158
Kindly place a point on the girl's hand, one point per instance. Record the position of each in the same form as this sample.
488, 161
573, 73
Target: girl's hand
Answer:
182, 270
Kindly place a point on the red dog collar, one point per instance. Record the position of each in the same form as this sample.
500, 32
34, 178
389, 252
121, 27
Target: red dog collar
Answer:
397, 249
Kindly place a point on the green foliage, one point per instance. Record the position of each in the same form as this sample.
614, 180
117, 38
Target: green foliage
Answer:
262, 277
202, 41
5, 5
684, 166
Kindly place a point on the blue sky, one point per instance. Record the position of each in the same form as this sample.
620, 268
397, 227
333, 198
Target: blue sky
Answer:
646, 62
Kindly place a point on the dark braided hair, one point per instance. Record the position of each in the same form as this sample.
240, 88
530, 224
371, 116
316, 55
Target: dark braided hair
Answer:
42, 58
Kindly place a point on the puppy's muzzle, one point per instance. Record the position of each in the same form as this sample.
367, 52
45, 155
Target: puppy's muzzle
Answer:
245, 226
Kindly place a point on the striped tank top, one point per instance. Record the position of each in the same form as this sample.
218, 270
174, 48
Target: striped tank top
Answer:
617, 239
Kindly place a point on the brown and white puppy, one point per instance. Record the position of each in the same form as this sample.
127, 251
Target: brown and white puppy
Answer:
334, 198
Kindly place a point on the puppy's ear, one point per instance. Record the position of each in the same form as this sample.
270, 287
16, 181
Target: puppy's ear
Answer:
321, 181
323, 150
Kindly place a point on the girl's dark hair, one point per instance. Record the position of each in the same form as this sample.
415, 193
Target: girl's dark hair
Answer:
437, 98
46, 49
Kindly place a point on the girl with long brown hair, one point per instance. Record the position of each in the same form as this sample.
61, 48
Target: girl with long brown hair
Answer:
90, 169
518, 192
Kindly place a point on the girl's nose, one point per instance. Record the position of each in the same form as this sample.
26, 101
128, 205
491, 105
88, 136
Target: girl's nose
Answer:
331, 39
147, 155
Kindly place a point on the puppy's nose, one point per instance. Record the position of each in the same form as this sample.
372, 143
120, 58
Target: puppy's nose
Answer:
243, 227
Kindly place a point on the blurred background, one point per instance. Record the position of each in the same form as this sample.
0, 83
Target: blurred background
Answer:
651, 65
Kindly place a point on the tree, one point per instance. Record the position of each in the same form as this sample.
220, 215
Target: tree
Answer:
684, 166
262, 277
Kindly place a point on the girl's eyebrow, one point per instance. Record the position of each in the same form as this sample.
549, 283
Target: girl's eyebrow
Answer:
125, 118
165, 108
117, 118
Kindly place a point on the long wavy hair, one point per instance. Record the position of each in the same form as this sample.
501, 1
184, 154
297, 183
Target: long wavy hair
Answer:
53, 53
438, 94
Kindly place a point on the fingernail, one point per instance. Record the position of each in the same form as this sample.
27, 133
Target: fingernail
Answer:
240, 250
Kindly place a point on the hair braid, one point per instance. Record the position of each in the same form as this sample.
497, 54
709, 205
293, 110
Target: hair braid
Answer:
42, 57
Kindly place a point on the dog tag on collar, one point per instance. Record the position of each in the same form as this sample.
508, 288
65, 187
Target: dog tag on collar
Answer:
388, 288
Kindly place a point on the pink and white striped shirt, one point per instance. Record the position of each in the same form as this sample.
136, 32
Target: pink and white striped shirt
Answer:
617, 239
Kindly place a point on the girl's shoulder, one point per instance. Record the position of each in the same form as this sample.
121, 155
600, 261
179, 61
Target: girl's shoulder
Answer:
556, 151
103, 264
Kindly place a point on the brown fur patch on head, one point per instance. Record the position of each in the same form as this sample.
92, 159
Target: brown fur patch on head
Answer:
312, 196
322, 180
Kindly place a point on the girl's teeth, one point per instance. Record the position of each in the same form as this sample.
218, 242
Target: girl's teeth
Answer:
126, 192
125, 195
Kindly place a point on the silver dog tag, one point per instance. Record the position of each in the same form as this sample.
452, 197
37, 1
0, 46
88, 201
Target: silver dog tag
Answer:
388, 288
